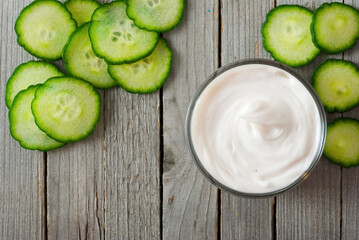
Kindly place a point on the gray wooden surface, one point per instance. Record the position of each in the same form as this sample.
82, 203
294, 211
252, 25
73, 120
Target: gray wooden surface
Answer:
189, 200
22, 183
134, 178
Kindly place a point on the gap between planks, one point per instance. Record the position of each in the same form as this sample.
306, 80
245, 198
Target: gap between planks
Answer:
161, 163
45, 195
219, 54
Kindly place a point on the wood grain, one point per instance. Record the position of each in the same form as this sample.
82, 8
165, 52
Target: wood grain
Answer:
311, 210
21, 171
350, 177
132, 157
108, 185
241, 39
132, 143
189, 200
76, 187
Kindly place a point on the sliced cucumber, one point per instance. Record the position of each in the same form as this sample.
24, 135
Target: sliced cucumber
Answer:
80, 60
337, 85
342, 143
116, 38
82, 10
287, 37
146, 75
335, 27
156, 15
23, 127
43, 28
27, 74
66, 109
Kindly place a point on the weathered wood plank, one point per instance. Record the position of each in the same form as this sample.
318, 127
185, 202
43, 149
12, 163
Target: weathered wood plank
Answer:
112, 192
132, 156
350, 196
241, 38
132, 165
312, 210
189, 200
75, 188
21, 171
350, 177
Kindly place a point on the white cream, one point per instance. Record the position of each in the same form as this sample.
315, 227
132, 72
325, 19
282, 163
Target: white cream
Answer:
256, 128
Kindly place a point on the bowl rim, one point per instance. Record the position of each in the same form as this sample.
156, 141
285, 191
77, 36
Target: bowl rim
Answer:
209, 80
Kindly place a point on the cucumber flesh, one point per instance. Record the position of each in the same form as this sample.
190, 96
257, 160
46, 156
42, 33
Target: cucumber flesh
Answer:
146, 75
286, 35
156, 15
342, 143
116, 38
43, 28
81, 62
337, 85
66, 109
82, 10
335, 27
27, 74
23, 127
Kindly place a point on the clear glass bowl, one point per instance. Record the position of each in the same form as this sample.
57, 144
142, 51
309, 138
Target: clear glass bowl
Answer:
291, 71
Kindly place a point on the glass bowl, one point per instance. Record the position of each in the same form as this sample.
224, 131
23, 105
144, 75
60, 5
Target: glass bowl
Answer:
285, 68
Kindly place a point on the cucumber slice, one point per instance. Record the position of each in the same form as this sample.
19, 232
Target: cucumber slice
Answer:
335, 27
342, 143
81, 62
66, 109
43, 29
156, 15
116, 38
82, 10
337, 85
27, 74
286, 35
22, 124
146, 75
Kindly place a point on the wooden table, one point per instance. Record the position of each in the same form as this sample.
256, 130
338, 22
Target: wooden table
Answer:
134, 177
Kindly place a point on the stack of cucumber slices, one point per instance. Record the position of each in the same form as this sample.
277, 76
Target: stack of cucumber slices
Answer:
294, 36
337, 85
114, 44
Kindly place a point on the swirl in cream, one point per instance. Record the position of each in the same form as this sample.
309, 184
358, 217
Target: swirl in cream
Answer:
256, 128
